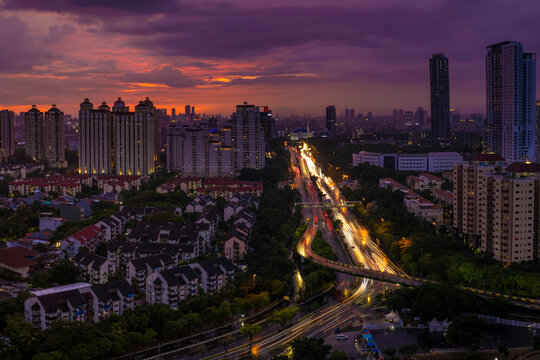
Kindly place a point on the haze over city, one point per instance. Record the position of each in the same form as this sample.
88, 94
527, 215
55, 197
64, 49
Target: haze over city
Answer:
297, 56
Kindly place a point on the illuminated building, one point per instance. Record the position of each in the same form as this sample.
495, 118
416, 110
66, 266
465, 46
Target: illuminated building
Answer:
34, 133
118, 141
511, 92
331, 120
440, 100
7, 141
54, 137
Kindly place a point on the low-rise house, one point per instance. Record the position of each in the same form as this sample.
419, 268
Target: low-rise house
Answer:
423, 208
199, 204
18, 259
97, 268
388, 183
78, 302
112, 298
213, 273
89, 237
197, 234
431, 181
121, 252
236, 242
113, 226
137, 270
211, 218
67, 302
443, 197
172, 286
49, 222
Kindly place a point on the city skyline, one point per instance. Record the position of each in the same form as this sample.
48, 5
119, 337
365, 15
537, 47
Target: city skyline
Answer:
374, 64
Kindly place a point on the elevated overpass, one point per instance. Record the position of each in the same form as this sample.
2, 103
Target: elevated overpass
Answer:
304, 247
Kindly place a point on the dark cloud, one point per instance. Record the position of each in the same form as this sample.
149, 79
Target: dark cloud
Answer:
92, 7
22, 48
167, 76
58, 32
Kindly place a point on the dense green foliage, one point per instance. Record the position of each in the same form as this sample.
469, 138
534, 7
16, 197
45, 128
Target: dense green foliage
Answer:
151, 198
309, 349
441, 301
75, 340
466, 330
425, 250
322, 248
272, 237
16, 223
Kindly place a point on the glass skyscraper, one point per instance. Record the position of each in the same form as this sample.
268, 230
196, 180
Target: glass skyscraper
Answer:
511, 92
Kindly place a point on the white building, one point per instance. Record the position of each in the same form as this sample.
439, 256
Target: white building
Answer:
432, 162
118, 141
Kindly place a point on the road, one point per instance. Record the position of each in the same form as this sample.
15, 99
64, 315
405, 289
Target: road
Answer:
376, 265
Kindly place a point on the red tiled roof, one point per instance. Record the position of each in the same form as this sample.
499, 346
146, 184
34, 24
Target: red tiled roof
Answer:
13, 260
86, 234
19, 251
520, 167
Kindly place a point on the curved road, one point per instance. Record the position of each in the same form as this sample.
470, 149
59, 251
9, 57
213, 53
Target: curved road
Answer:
358, 239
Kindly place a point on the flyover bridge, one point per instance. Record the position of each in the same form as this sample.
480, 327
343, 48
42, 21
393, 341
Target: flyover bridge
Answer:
402, 279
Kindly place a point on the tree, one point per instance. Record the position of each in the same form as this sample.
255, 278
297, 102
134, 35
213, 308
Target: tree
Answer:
408, 350
251, 330
338, 355
23, 335
283, 316
337, 224
503, 350
389, 352
466, 330
310, 349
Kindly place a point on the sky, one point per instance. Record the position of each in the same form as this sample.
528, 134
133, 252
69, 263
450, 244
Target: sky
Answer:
296, 56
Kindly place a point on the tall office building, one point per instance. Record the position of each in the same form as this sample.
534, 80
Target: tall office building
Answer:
34, 134
440, 100
331, 120
194, 151
511, 93
173, 114
537, 131
419, 119
248, 137
54, 137
7, 135
269, 125
192, 117
409, 118
118, 141
187, 112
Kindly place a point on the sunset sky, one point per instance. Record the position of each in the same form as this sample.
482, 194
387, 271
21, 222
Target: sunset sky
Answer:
295, 56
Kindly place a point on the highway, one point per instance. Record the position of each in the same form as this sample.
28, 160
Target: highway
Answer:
375, 263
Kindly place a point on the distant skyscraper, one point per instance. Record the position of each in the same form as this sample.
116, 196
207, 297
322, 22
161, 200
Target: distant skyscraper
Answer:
54, 137
537, 130
34, 133
440, 100
187, 112
331, 120
511, 93
419, 117
269, 125
173, 114
248, 137
409, 118
192, 118
7, 135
